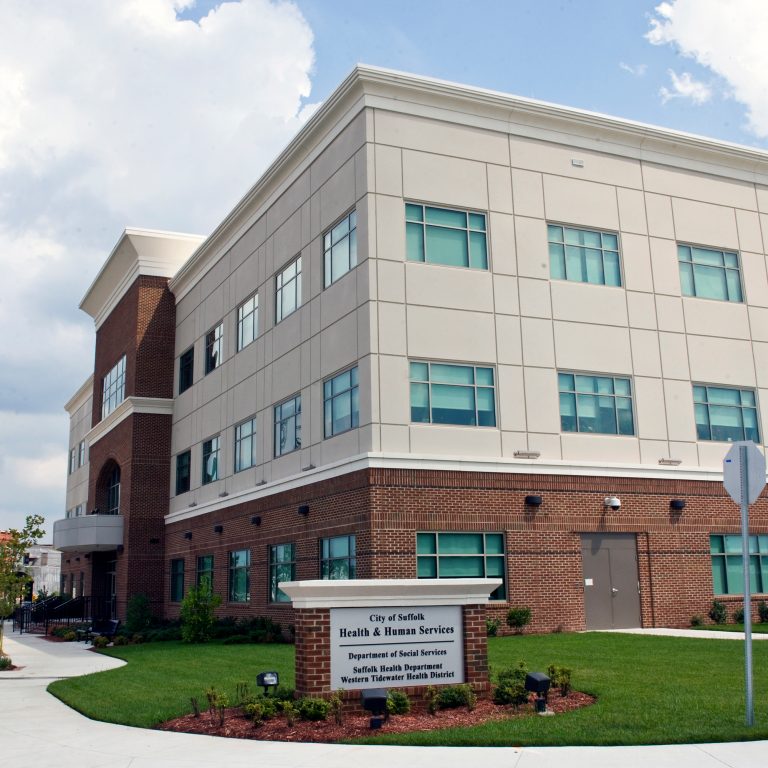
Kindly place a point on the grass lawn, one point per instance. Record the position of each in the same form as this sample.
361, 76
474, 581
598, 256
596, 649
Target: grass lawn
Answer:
757, 629
650, 690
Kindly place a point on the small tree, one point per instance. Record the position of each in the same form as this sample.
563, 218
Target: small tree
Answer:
196, 615
138, 615
13, 577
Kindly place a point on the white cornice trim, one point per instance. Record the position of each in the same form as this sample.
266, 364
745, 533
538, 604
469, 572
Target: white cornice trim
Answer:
80, 397
155, 405
447, 464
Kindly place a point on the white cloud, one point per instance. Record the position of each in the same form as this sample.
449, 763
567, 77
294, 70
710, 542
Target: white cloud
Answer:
117, 114
638, 70
728, 39
685, 87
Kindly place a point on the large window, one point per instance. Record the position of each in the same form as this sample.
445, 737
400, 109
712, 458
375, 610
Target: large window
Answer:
727, 566
240, 576
211, 460
599, 404
214, 348
341, 403
177, 580
186, 369
462, 555
583, 255
245, 445
288, 426
443, 393
340, 249
113, 492
337, 558
709, 274
72, 460
725, 414
288, 290
247, 321
113, 388
445, 236
204, 576
81, 454
183, 473
282, 567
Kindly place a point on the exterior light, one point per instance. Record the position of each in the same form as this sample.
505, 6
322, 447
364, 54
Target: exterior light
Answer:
527, 454
670, 462
374, 700
187, 534
677, 505
267, 680
304, 510
533, 501
218, 529
256, 520
538, 683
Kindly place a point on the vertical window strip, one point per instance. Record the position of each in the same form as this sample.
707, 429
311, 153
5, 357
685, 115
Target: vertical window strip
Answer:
340, 249
239, 576
211, 460
186, 369
113, 388
727, 564
247, 321
214, 348
183, 472
245, 445
338, 557
177, 580
341, 405
282, 567
288, 290
204, 576
288, 426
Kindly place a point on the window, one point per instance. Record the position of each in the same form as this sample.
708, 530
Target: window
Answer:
186, 369
337, 558
288, 290
282, 567
81, 454
240, 576
462, 555
204, 578
709, 274
598, 404
245, 445
113, 492
183, 472
583, 255
340, 249
113, 388
445, 236
341, 403
72, 460
177, 580
727, 569
247, 321
725, 414
214, 348
288, 426
210, 460
443, 393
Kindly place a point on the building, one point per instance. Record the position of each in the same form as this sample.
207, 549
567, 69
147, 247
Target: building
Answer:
448, 332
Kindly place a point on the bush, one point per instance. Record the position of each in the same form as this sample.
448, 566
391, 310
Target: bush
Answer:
510, 685
138, 615
738, 616
5, 663
260, 710
518, 619
398, 703
137, 639
453, 696
337, 707
120, 640
236, 640
98, 642
430, 699
69, 636
284, 695
492, 627
717, 612
197, 609
560, 677
312, 709
762, 612
697, 620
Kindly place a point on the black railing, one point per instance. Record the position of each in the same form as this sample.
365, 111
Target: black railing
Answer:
58, 611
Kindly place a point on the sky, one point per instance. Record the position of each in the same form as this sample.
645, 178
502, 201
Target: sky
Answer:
163, 113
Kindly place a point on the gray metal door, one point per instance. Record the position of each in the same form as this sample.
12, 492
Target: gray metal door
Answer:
611, 584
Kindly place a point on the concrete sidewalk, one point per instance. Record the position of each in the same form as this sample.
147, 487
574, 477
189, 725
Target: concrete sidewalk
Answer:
37, 730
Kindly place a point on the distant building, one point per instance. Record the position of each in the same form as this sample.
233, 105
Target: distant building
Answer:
449, 332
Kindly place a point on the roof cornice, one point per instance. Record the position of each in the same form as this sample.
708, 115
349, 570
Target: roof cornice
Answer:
80, 397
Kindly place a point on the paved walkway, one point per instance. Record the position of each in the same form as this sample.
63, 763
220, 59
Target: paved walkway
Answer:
38, 731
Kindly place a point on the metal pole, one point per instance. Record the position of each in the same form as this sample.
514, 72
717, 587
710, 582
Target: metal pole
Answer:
747, 586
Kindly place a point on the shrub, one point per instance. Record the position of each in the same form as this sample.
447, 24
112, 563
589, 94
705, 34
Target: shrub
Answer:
120, 640
312, 709
283, 695
138, 615
560, 677
69, 636
738, 616
518, 619
510, 685
236, 640
398, 703
260, 710
197, 609
289, 710
430, 699
717, 612
453, 696
492, 627
5, 663
337, 707
98, 642
762, 611
697, 620
137, 639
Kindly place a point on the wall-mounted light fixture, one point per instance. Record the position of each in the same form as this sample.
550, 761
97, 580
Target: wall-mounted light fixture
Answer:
192, 504
533, 501
223, 494
188, 534
154, 541
256, 520
218, 529
670, 462
677, 505
262, 482
304, 510
614, 502
308, 467
527, 454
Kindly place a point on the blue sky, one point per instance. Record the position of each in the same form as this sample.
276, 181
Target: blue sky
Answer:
163, 113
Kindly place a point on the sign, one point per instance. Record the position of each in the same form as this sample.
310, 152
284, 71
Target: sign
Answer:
396, 647
732, 474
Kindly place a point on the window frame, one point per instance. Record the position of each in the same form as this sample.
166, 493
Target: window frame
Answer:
179, 462
205, 574
235, 571
186, 369
177, 580
213, 452
214, 348
113, 387
295, 283
576, 393
726, 270
419, 382
500, 591
277, 422
276, 595
240, 441
708, 404
327, 561
330, 244
423, 257
81, 454
603, 234
72, 460
758, 564
330, 398
242, 341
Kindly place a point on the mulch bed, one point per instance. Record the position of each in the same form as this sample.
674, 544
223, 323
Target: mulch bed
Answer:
357, 725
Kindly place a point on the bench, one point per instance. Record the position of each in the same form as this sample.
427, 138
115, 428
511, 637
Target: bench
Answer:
99, 628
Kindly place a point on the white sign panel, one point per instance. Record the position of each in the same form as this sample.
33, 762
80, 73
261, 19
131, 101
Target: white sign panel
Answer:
755, 471
396, 647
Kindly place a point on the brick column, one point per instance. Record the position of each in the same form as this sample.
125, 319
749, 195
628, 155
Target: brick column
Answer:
476, 648
313, 652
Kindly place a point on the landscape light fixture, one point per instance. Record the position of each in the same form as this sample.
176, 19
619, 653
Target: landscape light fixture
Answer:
267, 680
538, 683
374, 700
